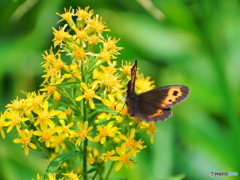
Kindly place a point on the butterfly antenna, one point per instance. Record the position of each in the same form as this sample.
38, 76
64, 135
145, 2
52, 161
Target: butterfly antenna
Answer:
122, 108
117, 104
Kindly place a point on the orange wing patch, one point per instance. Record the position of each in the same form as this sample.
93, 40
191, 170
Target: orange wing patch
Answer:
173, 94
158, 113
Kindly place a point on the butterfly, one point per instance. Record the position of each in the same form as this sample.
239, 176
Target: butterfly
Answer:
153, 105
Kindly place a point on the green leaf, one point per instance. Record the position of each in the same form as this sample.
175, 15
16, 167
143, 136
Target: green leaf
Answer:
91, 171
68, 84
177, 177
55, 163
102, 108
118, 178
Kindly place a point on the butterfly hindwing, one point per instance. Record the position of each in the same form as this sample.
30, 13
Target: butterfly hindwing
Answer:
148, 112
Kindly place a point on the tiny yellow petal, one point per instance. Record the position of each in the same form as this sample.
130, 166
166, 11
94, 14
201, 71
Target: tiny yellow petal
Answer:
118, 166
91, 103
33, 146
79, 98
84, 86
26, 150
17, 140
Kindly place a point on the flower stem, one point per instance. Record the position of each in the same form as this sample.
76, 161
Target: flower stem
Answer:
95, 175
110, 169
85, 143
85, 159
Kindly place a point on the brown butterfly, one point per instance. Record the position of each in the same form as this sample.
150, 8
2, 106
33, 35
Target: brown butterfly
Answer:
153, 105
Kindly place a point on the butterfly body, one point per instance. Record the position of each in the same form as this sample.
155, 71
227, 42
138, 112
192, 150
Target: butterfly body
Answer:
153, 105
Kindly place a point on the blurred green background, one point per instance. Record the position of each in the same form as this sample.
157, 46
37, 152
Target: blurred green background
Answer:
183, 42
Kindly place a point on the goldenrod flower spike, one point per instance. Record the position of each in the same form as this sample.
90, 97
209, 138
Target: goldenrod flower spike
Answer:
78, 118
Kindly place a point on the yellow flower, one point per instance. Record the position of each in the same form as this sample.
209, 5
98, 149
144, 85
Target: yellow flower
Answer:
113, 101
131, 144
66, 128
17, 104
52, 77
93, 40
26, 136
96, 25
90, 159
50, 177
102, 116
45, 115
35, 100
105, 131
123, 158
53, 61
89, 93
57, 143
61, 36
81, 34
83, 13
72, 176
110, 46
108, 155
150, 130
49, 89
67, 16
49, 57
143, 84
14, 119
38, 177
68, 112
126, 69
2, 124
119, 119
73, 75
106, 76
105, 56
78, 53
46, 135
53, 177
83, 132
93, 156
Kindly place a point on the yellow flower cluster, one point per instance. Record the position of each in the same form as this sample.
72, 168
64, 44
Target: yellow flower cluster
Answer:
80, 106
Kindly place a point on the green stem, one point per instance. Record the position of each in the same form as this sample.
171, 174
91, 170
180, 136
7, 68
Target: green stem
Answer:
95, 175
110, 169
66, 94
85, 143
85, 159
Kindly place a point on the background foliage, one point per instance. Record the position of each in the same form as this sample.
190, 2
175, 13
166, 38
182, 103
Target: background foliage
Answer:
186, 42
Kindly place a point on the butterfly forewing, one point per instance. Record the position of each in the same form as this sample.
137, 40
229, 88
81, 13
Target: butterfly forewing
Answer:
165, 97
131, 83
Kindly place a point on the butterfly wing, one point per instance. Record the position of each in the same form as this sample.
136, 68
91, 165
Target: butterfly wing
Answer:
148, 112
131, 83
155, 104
131, 95
165, 97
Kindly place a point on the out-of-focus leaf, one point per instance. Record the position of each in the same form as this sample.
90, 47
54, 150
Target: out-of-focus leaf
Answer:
56, 162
